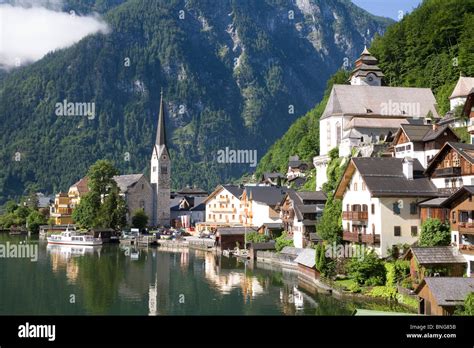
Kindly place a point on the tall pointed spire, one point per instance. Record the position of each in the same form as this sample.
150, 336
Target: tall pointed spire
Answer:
161, 131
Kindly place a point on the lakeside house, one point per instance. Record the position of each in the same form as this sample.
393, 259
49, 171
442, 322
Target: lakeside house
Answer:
260, 204
442, 295
300, 212
379, 199
186, 211
443, 261
223, 206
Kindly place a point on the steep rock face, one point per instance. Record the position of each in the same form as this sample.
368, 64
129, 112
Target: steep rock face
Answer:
235, 74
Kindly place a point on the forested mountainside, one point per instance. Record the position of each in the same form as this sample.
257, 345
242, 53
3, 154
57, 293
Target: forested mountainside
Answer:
234, 75
429, 47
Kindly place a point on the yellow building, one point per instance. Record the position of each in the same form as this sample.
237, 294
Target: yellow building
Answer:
65, 203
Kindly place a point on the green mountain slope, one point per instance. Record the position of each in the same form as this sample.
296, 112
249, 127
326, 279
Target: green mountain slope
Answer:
230, 73
430, 47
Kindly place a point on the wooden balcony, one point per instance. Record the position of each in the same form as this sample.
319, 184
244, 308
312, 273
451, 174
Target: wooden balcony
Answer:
466, 227
351, 236
355, 215
466, 249
370, 238
449, 171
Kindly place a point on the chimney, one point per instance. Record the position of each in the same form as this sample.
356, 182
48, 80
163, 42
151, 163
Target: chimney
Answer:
435, 126
408, 168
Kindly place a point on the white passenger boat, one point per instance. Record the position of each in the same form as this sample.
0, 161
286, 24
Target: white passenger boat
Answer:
72, 238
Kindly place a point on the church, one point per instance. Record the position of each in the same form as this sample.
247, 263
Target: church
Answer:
364, 114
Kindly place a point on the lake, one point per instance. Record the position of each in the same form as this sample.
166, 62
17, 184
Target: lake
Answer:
113, 280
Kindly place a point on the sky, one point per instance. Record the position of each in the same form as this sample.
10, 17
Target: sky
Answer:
387, 8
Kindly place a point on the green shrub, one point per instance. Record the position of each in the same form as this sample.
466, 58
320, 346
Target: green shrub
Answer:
255, 237
354, 287
369, 267
389, 292
283, 241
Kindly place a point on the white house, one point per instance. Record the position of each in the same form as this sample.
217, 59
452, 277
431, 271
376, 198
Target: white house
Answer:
420, 141
261, 204
223, 206
379, 199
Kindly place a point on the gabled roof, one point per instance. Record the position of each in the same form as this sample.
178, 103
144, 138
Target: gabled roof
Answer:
448, 291
463, 87
422, 133
269, 195
465, 150
300, 208
126, 181
466, 190
383, 177
192, 191
437, 255
312, 195
233, 189
357, 100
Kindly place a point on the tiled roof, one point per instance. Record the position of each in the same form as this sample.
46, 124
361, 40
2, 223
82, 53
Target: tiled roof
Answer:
270, 195
449, 291
126, 181
357, 100
422, 133
437, 255
384, 176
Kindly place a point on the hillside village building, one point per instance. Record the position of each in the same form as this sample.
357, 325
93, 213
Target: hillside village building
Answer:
365, 112
379, 199
461, 91
300, 212
422, 142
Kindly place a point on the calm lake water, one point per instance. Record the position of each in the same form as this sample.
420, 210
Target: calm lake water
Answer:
102, 280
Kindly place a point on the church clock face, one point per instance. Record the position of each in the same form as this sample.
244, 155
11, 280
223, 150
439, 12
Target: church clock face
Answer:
163, 157
370, 78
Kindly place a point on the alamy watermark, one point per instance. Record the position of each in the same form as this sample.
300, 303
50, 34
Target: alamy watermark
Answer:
401, 108
237, 156
25, 251
75, 109
340, 251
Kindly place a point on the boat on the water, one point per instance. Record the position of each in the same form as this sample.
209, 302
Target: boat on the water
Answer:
73, 238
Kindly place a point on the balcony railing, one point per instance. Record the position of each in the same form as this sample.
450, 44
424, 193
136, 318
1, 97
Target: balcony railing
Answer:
466, 227
450, 171
466, 249
370, 238
351, 236
355, 215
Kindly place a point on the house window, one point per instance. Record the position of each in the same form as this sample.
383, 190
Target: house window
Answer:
143, 186
373, 228
164, 170
414, 231
396, 208
447, 163
446, 183
348, 226
348, 207
220, 216
154, 169
413, 208
372, 208
355, 186
363, 186
397, 231
233, 217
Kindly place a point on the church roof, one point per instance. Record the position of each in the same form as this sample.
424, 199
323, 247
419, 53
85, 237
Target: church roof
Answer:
126, 181
366, 64
358, 100
463, 87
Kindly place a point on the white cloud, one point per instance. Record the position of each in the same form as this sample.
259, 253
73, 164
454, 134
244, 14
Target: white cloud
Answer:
27, 34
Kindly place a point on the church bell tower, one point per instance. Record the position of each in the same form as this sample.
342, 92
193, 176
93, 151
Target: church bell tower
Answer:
160, 176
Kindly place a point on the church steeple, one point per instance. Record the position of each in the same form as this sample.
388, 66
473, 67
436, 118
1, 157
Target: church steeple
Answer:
160, 176
161, 131
366, 71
